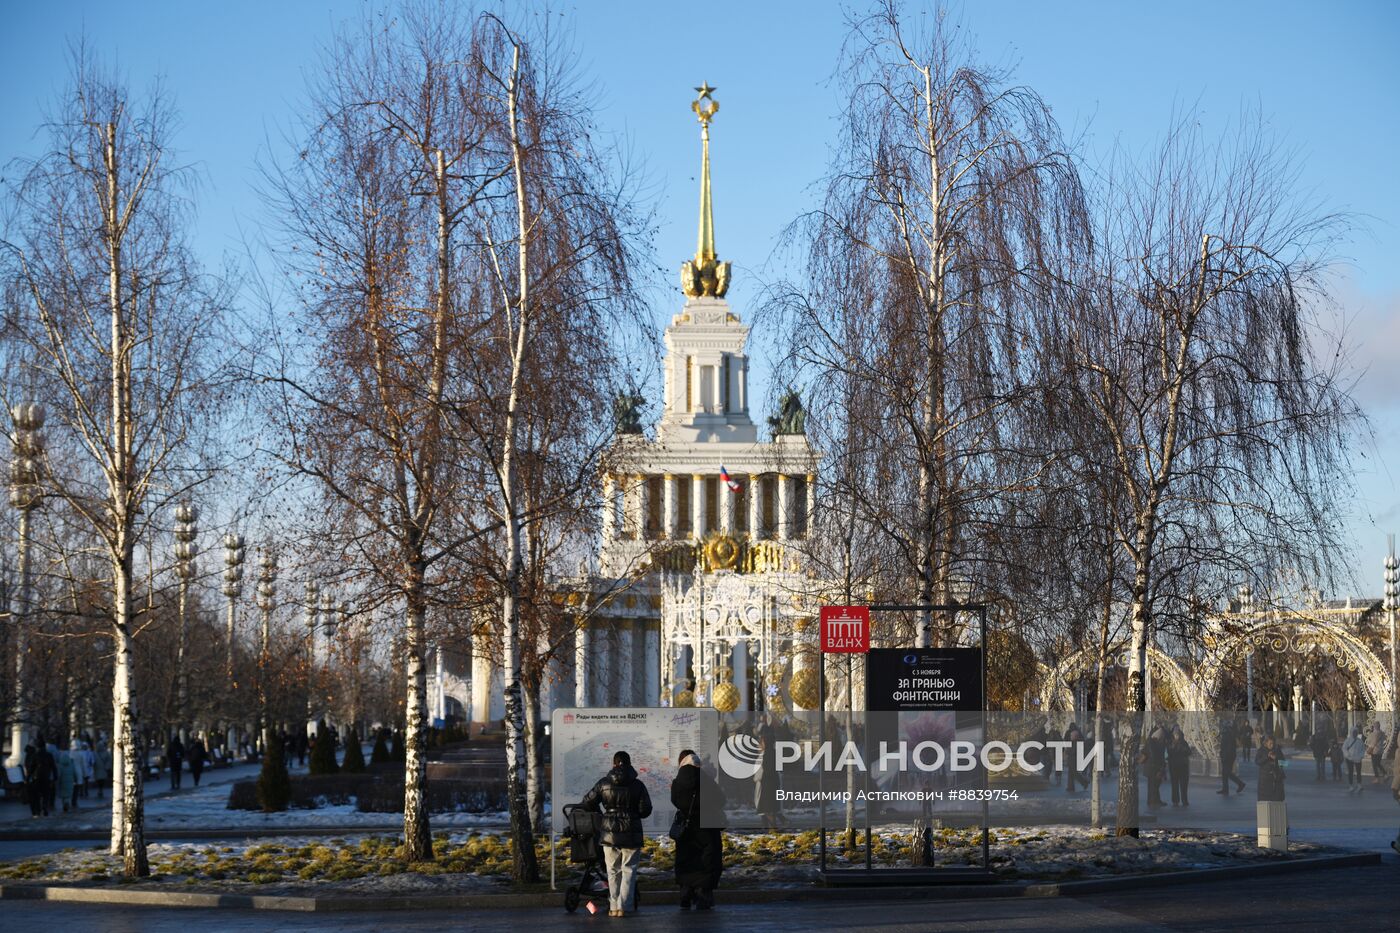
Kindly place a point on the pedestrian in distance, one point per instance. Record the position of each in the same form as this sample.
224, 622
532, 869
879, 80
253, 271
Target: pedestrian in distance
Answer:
699, 803
1228, 750
90, 778
175, 757
1156, 766
1271, 774
1245, 737
1395, 778
1334, 754
765, 785
1179, 768
1375, 747
40, 775
1319, 742
623, 802
67, 781
1354, 751
1074, 754
197, 757
104, 763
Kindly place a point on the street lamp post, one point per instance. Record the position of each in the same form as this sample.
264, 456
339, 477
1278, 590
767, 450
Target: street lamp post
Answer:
26, 473
1246, 607
186, 529
233, 586
313, 593
1392, 603
267, 598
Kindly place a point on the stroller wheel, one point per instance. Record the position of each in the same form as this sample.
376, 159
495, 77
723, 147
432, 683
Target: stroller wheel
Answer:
571, 899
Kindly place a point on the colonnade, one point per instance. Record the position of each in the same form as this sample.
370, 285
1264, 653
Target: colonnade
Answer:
673, 507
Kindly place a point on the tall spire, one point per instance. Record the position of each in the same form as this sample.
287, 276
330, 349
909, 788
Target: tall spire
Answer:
705, 276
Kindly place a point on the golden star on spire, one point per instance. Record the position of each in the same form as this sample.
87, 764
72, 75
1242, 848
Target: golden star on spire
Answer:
706, 276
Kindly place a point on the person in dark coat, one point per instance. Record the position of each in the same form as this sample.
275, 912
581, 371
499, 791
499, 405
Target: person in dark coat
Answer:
1228, 751
700, 849
1270, 763
1155, 766
1073, 754
175, 757
1179, 768
40, 777
1244, 737
197, 757
1319, 742
623, 802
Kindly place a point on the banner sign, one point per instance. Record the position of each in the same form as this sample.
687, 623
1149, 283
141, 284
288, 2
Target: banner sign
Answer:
923, 679
845, 629
583, 742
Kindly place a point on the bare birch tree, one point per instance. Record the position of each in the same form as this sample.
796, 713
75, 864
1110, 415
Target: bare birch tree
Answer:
958, 190
116, 323
1195, 365
373, 209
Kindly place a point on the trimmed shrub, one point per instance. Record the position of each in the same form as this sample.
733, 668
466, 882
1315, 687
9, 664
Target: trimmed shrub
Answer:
354, 760
380, 754
274, 787
322, 759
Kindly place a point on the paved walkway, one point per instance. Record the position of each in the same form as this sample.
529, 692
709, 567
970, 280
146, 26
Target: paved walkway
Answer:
1359, 899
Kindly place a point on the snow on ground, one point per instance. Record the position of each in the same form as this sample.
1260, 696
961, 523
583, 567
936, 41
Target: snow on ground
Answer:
474, 861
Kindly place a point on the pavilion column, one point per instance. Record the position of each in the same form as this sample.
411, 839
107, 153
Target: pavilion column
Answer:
697, 506
670, 514
641, 505
622, 664
811, 502
651, 644
755, 507
600, 663
609, 507
727, 505
739, 664
784, 506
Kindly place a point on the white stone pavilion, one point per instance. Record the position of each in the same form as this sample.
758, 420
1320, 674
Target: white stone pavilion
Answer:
699, 587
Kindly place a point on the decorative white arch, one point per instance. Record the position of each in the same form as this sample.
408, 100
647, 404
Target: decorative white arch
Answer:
1055, 690
1301, 635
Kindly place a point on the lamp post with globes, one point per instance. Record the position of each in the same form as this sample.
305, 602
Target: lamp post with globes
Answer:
1392, 604
26, 474
1246, 608
267, 599
186, 530
233, 587
313, 608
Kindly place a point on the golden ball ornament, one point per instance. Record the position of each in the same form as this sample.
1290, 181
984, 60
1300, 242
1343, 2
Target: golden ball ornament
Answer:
804, 689
726, 697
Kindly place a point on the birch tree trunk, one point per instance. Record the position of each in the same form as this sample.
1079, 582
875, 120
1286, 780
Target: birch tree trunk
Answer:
534, 767
417, 834
525, 866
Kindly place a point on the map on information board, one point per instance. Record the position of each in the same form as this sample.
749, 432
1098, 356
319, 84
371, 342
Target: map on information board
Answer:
584, 741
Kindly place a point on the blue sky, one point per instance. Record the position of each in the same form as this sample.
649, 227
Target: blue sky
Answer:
1115, 73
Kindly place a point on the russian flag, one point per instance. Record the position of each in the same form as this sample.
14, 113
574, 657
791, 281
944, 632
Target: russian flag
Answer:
729, 481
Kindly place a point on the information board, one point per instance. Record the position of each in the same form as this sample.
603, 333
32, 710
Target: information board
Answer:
920, 679
584, 740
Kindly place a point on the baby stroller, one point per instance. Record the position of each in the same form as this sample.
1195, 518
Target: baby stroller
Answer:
581, 829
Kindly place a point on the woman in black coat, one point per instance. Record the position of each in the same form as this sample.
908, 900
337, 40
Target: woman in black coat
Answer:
1179, 768
700, 849
1270, 770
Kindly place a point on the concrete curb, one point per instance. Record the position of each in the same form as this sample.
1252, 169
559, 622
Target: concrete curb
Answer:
251, 832
128, 896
